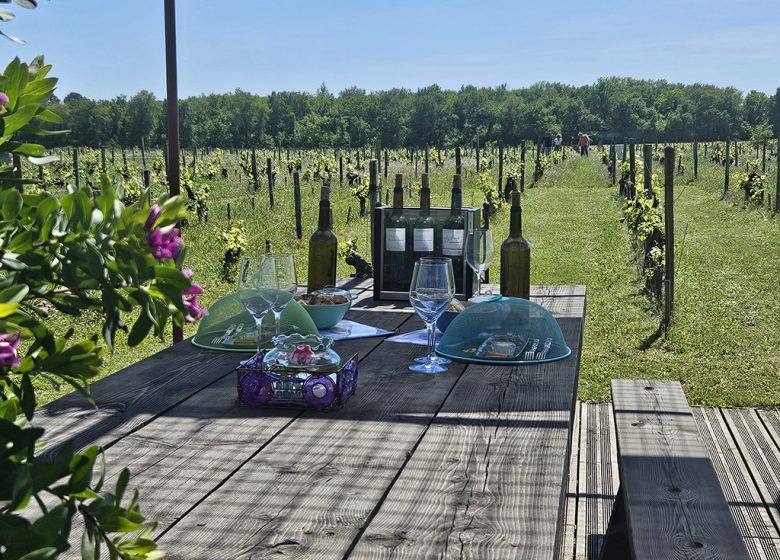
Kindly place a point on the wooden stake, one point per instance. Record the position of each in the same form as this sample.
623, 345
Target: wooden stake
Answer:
669, 159
297, 201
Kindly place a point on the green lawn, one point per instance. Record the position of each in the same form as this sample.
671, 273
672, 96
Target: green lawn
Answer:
722, 345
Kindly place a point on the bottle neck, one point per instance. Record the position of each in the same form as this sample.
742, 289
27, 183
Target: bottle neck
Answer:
324, 218
516, 222
457, 200
398, 200
425, 201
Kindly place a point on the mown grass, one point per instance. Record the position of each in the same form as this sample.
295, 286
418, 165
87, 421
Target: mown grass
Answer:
722, 345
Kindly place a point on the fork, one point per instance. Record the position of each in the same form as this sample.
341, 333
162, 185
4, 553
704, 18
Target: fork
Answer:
542, 354
228, 332
529, 354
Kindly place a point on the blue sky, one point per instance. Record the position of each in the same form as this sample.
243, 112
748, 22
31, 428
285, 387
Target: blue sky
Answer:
102, 48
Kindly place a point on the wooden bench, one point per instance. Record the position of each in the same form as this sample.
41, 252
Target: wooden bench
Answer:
670, 503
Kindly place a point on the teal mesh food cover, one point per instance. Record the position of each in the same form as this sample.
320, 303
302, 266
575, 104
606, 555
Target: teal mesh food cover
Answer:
505, 330
229, 326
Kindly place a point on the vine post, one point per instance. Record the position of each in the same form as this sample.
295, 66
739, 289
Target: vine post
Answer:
763, 157
736, 153
297, 200
669, 159
695, 159
777, 186
457, 160
613, 163
727, 166
255, 182
522, 167
486, 225
387, 162
427, 154
270, 169
501, 169
373, 194
647, 159
341, 169
632, 169
75, 167
102, 159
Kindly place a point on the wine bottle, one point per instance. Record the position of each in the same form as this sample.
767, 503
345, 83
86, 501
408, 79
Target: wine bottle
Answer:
516, 256
453, 234
422, 236
396, 273
323, 247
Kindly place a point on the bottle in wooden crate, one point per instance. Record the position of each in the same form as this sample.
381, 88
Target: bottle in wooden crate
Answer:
396, 270
423, 238
454, 234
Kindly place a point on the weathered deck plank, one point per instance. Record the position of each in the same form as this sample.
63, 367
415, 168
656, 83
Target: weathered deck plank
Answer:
486, 483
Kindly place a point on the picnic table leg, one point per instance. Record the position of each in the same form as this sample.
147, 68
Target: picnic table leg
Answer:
615, 546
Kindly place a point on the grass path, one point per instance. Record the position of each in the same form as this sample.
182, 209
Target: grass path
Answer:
571, 219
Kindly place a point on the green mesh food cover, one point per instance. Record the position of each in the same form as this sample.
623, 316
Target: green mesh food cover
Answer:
505, 330
228, 326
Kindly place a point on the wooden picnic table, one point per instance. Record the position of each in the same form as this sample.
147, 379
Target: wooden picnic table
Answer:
471, 463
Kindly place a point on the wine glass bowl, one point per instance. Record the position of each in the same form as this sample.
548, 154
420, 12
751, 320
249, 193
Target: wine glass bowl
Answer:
249, 294
480, 253
430, 292
277, 284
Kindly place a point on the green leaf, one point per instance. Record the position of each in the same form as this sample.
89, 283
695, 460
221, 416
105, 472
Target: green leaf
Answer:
11, 203
172, 277
16, 120
28, 396
46, 553
121, 484
23, 149
140, 330
49, 116
7, 309
14, 294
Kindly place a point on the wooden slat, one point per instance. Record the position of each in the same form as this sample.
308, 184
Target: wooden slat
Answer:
135, 395
581, 548
486, 480
744, 500
178, 459
570, 528
674, 504
311, 489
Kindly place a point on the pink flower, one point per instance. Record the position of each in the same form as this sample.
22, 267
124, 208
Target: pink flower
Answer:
4, 98
190, 298
165, 242
9, 342
154, 214
302, 355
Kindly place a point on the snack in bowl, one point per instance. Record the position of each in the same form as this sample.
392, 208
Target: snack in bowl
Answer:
449, 314
327, 307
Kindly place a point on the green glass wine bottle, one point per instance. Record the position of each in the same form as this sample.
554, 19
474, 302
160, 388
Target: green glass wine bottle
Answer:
424, 226
323, 247
516, 256
396, 269
453, 234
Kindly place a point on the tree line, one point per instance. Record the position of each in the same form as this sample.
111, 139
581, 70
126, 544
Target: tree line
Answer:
612, 109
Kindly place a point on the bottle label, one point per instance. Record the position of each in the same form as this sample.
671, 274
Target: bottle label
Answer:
423, 240
395, 239
452, 242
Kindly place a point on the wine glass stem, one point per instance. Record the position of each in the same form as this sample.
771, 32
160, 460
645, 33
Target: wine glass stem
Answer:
278, 321
431, 327
259, 323
479, 283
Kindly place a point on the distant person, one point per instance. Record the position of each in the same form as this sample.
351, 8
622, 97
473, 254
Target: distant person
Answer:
547, 145
583, 143
558, 142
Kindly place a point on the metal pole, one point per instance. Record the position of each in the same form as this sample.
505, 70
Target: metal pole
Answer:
173, 114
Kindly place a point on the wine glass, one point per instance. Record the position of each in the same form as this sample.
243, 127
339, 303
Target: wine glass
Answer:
438, 360
249, 293
431, 291
278, 284
479, 253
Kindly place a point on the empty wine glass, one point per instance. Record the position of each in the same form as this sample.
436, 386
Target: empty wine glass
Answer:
278, 284
479, 253
431, 291
438, 360
249, 293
